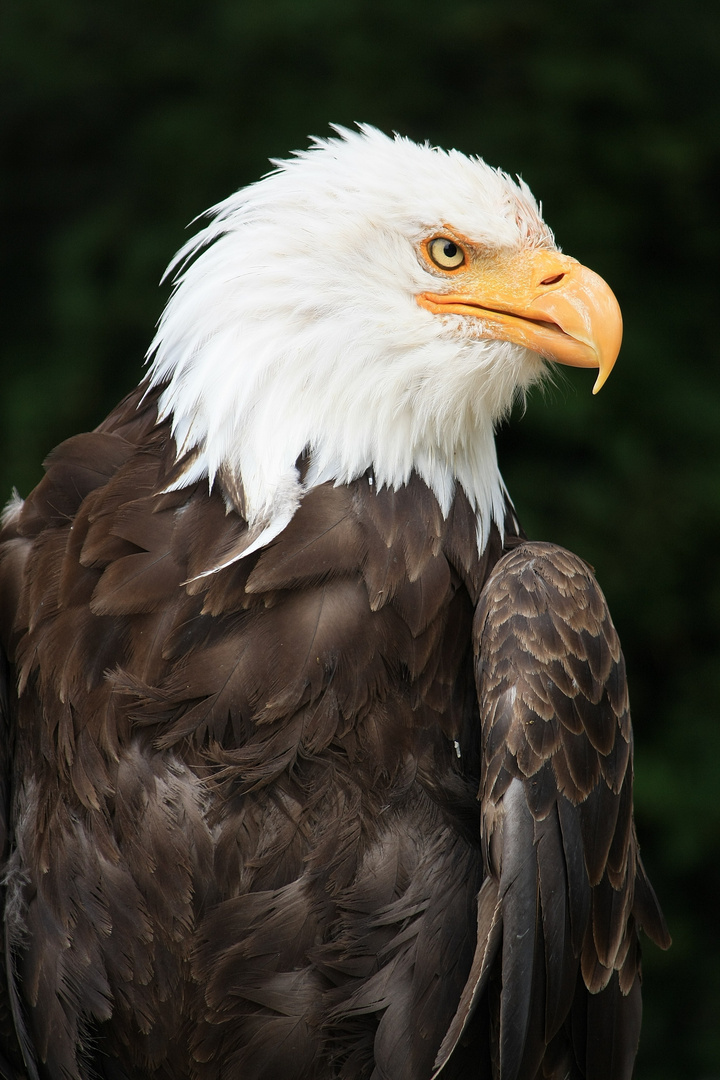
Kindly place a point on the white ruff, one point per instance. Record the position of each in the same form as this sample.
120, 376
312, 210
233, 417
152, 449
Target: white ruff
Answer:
294, 327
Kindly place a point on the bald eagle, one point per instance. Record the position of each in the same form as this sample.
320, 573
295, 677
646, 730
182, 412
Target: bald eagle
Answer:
313, 765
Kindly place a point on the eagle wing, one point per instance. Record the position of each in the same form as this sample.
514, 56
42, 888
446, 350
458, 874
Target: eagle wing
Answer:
565, 890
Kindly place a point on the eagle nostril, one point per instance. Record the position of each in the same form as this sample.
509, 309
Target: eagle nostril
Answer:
552, 280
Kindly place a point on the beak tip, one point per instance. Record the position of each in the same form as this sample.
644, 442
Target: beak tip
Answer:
602, 378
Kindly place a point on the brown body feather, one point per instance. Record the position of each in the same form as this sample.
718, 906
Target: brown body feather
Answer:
243, 829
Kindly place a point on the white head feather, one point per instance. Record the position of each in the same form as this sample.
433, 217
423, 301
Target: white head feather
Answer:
294, 326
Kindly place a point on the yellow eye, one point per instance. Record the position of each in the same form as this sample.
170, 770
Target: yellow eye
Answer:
445, 253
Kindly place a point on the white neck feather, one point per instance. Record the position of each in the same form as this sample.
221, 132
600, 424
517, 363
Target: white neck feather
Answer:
298, 332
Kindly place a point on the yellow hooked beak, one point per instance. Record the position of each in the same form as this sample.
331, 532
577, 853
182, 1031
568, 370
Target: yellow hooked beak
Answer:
541, 299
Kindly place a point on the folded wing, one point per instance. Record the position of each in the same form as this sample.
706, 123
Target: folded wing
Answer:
557, 958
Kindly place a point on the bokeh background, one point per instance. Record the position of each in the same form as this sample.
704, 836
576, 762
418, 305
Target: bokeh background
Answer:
123, 119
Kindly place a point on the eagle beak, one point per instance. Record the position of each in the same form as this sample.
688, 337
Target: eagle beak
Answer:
541, 299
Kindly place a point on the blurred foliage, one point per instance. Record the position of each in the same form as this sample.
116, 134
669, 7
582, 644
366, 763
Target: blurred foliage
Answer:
121, 121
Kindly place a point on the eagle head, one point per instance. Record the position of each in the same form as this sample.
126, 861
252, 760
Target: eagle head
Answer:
371, 306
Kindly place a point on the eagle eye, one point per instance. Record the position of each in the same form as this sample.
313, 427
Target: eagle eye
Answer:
445, 253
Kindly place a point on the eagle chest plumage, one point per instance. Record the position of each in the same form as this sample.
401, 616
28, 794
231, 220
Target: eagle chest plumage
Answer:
269, 773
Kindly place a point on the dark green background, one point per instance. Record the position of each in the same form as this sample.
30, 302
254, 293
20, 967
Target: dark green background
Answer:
122, 119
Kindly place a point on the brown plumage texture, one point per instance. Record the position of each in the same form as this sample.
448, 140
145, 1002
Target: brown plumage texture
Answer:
356, 806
